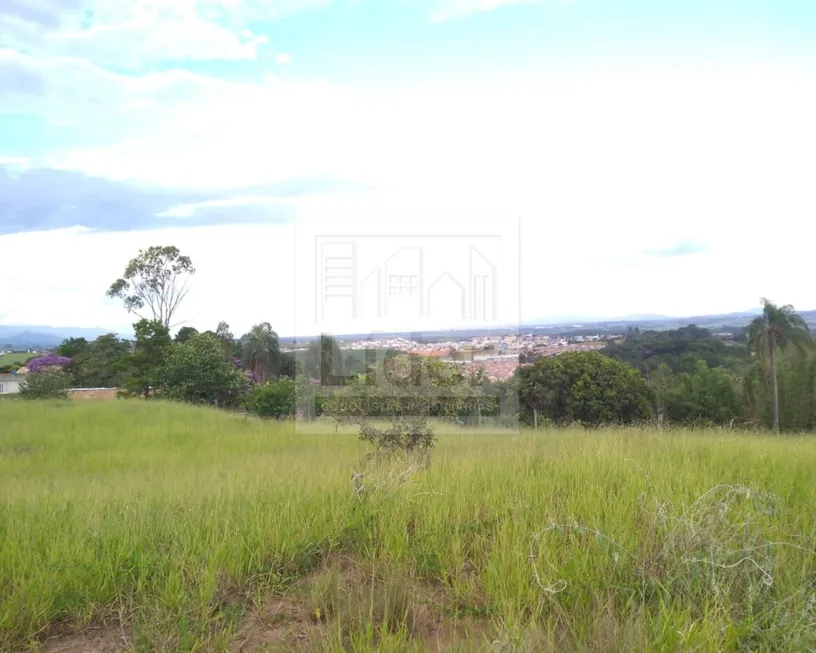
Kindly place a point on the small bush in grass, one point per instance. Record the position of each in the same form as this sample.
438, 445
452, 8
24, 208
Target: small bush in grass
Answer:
406, 434
46, 383
275, 399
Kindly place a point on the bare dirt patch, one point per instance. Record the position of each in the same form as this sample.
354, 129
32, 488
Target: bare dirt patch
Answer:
80, 395
344, 597
92, 640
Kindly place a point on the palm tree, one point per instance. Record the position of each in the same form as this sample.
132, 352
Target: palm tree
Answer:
261, 350
777, 327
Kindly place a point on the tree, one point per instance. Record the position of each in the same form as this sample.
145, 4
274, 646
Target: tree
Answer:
232, 347
185, 333
151, 349
796, 376
71, 347
709, 396
261, 351
289, 365
585, 387
46, 383
679, 349
47, 361
102, 364
200, 371
478, 395
660, 381
155, 279
777, 327
223, 332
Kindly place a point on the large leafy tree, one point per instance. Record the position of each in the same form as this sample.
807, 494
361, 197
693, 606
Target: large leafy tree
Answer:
155, 281
261, 351
71, 347
102, 363
775, 328
200, 371
151, 349
587, 387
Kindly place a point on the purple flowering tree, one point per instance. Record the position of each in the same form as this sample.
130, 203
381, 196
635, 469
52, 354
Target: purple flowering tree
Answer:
47, 361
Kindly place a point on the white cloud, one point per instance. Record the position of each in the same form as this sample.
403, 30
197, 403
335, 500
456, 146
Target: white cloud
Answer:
444, 10
140, 41
188, 210
283, 58
579, 142
132, 35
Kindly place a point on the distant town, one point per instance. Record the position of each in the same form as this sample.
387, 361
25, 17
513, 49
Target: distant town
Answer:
498, 355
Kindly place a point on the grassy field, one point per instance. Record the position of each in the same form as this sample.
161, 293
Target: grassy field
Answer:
152, 527
11, 359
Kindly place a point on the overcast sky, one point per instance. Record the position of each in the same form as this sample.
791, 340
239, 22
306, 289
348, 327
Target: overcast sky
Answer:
660, 157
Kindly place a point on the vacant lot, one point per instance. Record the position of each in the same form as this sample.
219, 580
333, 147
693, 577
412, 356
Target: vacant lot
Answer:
131, 525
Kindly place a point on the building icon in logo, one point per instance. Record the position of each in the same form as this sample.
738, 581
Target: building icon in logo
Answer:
337, 278
406, 284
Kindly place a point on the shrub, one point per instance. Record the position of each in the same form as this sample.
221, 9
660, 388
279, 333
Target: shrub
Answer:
46, 383
404, 434
274, 399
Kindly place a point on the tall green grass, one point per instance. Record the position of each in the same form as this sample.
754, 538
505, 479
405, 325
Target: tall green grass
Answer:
181, 527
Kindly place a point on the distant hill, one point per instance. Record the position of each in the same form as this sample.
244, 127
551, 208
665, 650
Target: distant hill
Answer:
13, 336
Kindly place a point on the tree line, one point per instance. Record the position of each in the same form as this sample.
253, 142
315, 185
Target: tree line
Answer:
767, 378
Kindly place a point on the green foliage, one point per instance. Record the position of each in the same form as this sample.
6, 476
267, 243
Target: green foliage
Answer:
185, 333
151, 349
796, 379
776, 328
706, 397
406, 390
408, 434
47, 383
200, 371
679, 349
156, 280
274, 399
261, 352
585, 387
478, 398
289, 365
103, 363
72, 347
323, 361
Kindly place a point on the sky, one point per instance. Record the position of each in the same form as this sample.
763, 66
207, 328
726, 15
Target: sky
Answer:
634, 156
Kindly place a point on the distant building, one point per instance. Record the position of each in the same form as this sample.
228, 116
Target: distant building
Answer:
10, 383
